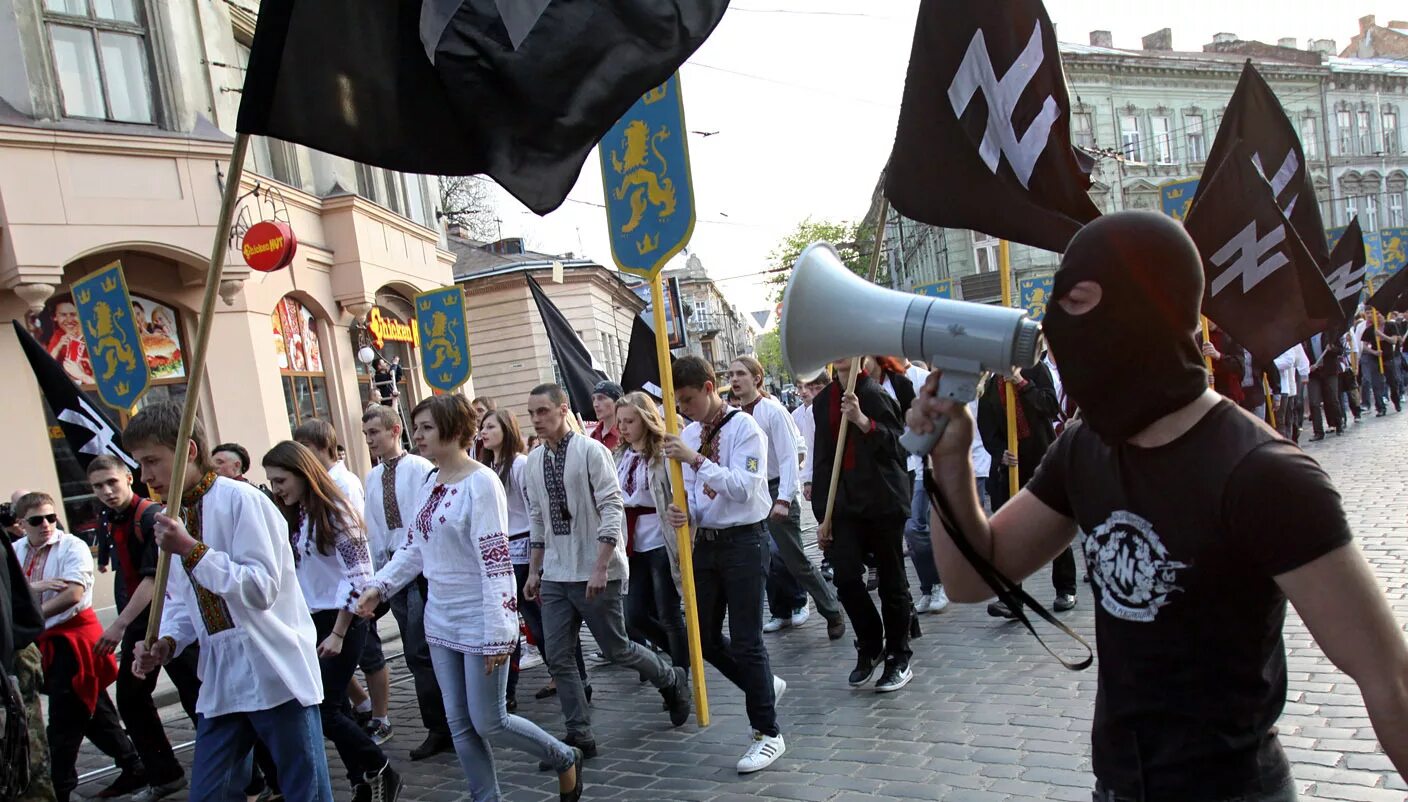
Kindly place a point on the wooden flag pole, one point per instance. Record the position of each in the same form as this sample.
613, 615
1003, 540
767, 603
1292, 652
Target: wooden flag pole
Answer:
1378, 346
1270, 404
672, 425
1207, 360
1004, 269
875, 253
195, 370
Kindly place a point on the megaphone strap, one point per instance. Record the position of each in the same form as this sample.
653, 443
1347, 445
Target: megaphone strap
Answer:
1009, 592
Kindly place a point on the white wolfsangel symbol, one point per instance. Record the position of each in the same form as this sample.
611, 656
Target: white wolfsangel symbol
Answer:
999, 139
1346, 281
1249, 264
1289, 166
102, 441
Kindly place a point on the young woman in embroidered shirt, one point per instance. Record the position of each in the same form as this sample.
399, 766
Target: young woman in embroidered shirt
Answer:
333, 564
458, 540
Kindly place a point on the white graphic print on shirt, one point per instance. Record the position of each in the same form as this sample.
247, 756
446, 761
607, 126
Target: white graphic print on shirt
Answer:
1130, 566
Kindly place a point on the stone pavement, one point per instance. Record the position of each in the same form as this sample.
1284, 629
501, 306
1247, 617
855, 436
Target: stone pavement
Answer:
989, 715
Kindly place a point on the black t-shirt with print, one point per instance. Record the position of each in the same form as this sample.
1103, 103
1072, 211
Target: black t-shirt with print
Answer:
1182, 542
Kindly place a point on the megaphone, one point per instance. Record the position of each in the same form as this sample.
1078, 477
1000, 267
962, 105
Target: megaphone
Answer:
828, 313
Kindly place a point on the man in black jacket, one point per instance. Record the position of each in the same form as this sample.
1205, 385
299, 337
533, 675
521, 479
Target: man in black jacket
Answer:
872, 503
1322, 391
1037, 409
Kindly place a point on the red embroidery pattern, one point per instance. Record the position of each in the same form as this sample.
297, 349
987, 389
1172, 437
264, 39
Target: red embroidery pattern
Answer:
493, 552
214, 612
510, 604
424, 519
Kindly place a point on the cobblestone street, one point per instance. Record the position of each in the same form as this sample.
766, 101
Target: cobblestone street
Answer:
989, 715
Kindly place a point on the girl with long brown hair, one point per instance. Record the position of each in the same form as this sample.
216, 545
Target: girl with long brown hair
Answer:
334, 564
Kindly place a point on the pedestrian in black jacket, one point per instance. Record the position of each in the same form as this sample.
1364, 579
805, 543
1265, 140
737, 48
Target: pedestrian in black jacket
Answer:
872, 503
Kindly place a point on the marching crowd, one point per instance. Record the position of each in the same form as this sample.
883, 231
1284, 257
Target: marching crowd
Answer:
274, 593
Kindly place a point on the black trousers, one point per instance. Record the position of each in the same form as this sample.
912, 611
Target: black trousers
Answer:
1323, 392
885, 630
70, 721
358, 751
139, 713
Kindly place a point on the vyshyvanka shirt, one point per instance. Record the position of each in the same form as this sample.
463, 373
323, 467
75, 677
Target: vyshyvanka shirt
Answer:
392, 489
728, 483
331, 581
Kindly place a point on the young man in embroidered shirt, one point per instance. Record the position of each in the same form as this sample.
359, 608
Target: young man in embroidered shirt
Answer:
234, 591
784, 520
372, 712
392, 487
59, 569
577, 564
724, 454
130, 523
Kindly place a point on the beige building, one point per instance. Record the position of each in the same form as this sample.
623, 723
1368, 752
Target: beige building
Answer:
115, 121
507, 340
718, 331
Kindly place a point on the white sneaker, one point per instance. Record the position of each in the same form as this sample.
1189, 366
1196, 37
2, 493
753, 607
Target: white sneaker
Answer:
938, 602
800, 617
779, 687
922, 606
775, 623
598, 659
764, 750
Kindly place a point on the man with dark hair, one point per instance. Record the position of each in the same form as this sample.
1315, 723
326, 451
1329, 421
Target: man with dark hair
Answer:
234, 591
724, 455
604, 398
129, 522
577, 564
1200, 523
231, 460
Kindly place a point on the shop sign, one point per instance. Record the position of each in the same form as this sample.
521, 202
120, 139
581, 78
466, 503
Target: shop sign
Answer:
386, 329
269, 245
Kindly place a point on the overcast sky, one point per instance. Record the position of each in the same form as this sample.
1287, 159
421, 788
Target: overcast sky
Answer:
804, 95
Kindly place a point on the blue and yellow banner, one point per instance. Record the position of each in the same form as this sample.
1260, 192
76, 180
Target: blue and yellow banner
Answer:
939, 289
1393, 244
1177, 196
444, 337
110, 332
645, 174
1034, 292
1376, 263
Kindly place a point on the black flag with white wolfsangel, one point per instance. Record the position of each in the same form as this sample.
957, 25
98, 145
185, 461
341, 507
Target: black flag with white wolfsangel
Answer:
1346, 269
642, 371
1391, 295
1260, 283
984, 134
1255, 117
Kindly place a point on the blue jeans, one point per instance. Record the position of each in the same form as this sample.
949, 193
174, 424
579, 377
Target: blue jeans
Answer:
730, 572
474, 707
916, 536
294, 735
653, 605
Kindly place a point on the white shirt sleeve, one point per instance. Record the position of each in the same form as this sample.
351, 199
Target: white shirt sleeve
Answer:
489, 533
783, 442
746, 473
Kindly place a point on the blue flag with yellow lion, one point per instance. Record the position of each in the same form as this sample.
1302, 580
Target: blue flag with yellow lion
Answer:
110, 332
444, 337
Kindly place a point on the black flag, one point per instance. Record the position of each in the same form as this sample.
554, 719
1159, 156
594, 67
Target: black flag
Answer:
984, 134
518, 89
1391, 295
1345, 270
1255, 117
642, 371
1261, 284
88, 431
574, 362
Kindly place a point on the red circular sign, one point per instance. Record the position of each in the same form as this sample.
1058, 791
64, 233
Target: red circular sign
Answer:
269, 246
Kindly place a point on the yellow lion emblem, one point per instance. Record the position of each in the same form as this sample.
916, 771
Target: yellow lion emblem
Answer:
443, 342
641, 170
1037, 303
1394, 253
109, 343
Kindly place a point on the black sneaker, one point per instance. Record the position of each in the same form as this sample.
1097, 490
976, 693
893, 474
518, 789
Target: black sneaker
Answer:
1000, 610
383, 786
677, 697
897, 675
827, 572
865, 668
1064, 602
586, 747
131, 779
434, 744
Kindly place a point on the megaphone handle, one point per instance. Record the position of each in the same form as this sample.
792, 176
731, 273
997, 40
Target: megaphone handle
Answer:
921, 444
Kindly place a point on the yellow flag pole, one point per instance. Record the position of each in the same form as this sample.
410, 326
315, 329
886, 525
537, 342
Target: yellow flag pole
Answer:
875, 254
195, 370
672, 425
1004, 269
1378, 346
1207, 360
1270, 404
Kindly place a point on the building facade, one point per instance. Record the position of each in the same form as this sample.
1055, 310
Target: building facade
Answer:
717, 331
116, 119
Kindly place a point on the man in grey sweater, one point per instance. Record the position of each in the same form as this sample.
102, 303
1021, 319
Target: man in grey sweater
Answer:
577, 564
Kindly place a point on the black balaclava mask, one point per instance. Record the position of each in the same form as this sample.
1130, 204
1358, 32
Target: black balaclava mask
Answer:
1133, 358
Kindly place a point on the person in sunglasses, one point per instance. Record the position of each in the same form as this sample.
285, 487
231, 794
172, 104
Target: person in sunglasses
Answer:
59, 569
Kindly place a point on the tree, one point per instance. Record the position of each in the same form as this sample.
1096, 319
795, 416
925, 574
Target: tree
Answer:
465, 202
850, 242
768, 350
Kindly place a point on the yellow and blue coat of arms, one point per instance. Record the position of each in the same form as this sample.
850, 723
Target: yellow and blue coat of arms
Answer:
645, 174
444, 337
1035, 294
110, 332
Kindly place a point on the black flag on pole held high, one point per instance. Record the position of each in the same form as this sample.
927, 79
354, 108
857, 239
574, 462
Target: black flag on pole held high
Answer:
1261, 285
520, 90
575, 364
1255, 117
1345, 270
88, 431
1392, 295
984, 134
642, 371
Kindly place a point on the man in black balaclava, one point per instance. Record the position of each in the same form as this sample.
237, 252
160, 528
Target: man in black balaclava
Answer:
1200, 522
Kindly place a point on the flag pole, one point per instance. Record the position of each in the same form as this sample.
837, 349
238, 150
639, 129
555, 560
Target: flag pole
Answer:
1004, 269
1378, 346
1207, 338
1270, 407
875, 253
195, 370
672, 425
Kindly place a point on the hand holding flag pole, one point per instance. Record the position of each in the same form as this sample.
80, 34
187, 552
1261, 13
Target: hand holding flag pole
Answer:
1004, 267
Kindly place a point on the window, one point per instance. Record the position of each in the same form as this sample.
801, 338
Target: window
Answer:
1163, 143
99, 49
1342, 129
1390, 124
606, 357
1395, 209
1310, 138
1351, 209
415, 199
272, 158
1371, 213
393, 191
300, 358
1362, 134
1082, 130
366, 183
1129, 137
984, 252
1197, 145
